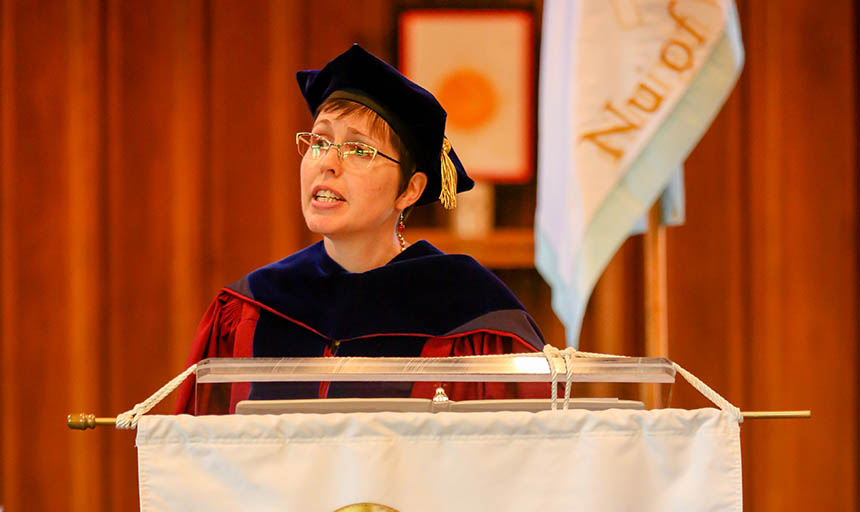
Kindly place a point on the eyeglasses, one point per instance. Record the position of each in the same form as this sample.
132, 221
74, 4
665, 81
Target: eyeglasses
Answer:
357, 155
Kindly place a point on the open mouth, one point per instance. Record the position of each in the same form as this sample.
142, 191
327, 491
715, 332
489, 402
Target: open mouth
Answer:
327, 196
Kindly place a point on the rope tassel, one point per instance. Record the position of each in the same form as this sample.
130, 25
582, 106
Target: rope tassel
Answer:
448, 194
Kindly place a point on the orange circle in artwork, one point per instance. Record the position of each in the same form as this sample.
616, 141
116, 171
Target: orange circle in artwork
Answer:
469, 98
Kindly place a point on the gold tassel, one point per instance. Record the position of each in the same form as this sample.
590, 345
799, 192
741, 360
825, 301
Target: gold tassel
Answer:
448, 194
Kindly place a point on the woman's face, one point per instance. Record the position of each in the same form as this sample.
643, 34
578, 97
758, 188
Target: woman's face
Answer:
340, 201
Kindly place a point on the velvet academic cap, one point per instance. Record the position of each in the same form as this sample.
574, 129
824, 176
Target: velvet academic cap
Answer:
413, 113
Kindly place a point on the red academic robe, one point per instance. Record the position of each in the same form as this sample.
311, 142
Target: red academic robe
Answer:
232, 325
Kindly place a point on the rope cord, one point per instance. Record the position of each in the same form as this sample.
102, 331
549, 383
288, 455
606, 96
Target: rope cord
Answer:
128, 420
550, 353
568, 377
709, 393
694, 381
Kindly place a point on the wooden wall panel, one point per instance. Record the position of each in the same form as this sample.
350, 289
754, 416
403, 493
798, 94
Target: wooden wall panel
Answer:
803, 248
239, 155
51, 248
9, 430
147, 159
85, 224
36, 272
706, 262
140, 87
288, 115
186, 172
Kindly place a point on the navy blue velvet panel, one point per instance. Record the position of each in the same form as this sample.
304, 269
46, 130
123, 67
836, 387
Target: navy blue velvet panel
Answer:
422, 291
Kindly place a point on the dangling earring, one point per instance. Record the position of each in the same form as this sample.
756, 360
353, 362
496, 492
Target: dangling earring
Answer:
401, 227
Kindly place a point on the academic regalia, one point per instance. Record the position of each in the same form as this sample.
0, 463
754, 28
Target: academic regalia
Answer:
422, 303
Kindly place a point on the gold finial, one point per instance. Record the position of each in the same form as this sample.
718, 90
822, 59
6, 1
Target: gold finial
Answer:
83, 421
448, 195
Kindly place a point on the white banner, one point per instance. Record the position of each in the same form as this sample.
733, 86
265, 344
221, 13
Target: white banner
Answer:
661, 460
627, 88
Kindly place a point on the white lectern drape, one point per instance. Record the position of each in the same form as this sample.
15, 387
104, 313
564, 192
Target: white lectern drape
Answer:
661, 460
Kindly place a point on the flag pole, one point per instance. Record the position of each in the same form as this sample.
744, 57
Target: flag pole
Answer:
656, 297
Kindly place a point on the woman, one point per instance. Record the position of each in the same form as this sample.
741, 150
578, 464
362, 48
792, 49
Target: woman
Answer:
376, 149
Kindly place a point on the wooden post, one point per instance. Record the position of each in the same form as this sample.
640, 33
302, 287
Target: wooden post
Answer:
656, 301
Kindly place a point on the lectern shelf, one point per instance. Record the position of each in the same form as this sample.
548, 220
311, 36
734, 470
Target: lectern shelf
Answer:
503, 368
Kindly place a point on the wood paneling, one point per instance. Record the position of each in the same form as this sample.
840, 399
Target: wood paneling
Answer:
47, 219
141, 89
10, 431
802, 179
146, 159
84, 225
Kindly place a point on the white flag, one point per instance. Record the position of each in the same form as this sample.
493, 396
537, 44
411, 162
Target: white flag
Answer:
627, 88
577, 460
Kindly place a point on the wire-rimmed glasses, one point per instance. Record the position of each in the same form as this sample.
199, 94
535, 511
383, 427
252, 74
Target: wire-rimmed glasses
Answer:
354, 154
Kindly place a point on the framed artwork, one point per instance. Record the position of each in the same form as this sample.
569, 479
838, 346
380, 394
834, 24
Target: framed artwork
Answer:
480, 66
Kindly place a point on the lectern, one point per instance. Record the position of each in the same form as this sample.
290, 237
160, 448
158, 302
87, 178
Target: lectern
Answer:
565, 452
